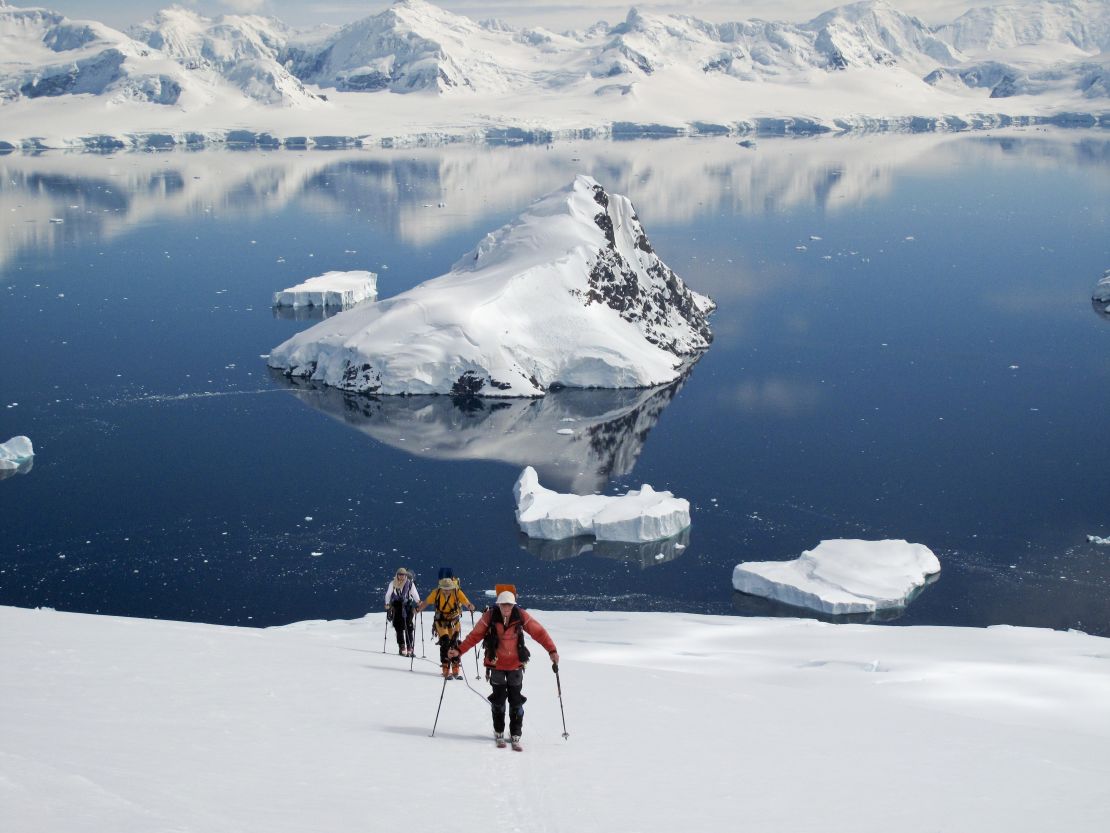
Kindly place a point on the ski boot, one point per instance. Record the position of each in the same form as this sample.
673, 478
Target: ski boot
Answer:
456, 671
515, 741
499, 739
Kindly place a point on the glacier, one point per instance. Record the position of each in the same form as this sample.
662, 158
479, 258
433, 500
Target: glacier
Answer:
418, 74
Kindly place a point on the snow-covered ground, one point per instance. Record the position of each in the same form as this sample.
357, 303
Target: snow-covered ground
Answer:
1101, 295
418, 73
675, 720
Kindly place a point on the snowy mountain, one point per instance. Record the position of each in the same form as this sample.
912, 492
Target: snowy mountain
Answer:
571, 294
863, 66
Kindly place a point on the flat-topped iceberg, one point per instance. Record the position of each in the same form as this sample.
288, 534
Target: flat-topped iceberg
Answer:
842, 576
331, 289
16, 456
569, 294
644, 515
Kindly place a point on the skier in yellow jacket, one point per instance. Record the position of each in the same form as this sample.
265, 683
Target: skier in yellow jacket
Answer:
448, 600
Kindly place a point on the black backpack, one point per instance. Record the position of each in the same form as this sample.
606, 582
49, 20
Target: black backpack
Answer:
490, 642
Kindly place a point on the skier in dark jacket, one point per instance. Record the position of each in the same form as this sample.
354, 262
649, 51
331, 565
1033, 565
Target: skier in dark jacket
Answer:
503, 627
401, 600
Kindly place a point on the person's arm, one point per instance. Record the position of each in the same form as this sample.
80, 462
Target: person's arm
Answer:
535, 630
465, 601
388, 593
427, 601
413, 594
474, 637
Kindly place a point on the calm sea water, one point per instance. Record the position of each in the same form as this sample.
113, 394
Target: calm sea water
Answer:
905, 347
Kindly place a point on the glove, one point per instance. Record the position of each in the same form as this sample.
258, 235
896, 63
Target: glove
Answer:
554, 655
389, 614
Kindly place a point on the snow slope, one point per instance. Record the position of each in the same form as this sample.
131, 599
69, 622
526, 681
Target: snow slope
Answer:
417, 73
141, 726
571, 293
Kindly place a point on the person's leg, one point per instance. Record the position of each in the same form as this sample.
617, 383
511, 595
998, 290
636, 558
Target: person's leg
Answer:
399, 627
515, 694
444, 660
410, 631
456, 663
497, 701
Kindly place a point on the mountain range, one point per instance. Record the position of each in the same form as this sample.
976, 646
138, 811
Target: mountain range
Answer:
416, 72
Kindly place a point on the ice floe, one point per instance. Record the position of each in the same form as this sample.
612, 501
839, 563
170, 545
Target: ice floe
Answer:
842, 576
644, 515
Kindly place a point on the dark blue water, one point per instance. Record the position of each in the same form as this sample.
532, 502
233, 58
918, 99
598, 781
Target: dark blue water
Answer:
929, 368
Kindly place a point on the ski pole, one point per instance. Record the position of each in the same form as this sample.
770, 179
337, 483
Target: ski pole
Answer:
477, 673
440, 706
423, 652
385, 633
559, 688
410, 635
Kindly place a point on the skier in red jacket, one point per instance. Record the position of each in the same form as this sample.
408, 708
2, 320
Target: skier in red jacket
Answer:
503, 627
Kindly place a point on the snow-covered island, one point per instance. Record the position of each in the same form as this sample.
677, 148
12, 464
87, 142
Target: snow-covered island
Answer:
1101, 295
331, 289
842, 576
569, 294
416, 73
639, 515
16, 456
114, 724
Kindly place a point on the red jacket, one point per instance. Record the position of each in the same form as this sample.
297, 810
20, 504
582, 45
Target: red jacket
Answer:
507, 658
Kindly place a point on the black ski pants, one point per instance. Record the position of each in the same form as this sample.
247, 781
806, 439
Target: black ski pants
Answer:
507, 685
403, 618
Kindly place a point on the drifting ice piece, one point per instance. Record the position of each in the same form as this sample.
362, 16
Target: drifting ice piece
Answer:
842, 576
644, 515
331, 289
15, 456
1101, 295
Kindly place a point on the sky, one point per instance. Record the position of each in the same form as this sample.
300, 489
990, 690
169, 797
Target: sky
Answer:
553, 14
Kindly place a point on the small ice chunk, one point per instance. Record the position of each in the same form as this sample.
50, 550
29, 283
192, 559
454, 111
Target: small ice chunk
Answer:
16, 455
331, 289
842, 576
1101, 294
1094, 539
565, 431
644, 515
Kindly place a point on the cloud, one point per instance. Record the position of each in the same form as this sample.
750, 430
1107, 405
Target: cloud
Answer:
244, 6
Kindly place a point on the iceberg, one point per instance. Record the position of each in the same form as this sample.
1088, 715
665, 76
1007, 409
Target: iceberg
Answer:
1101, 296
644, 515
16, 456
842, 576
331, 289
570, 294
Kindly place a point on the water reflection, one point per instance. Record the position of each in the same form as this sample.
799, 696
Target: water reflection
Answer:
748, 605
22, 468
425, 194
312, 313
644, 555
577, 440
